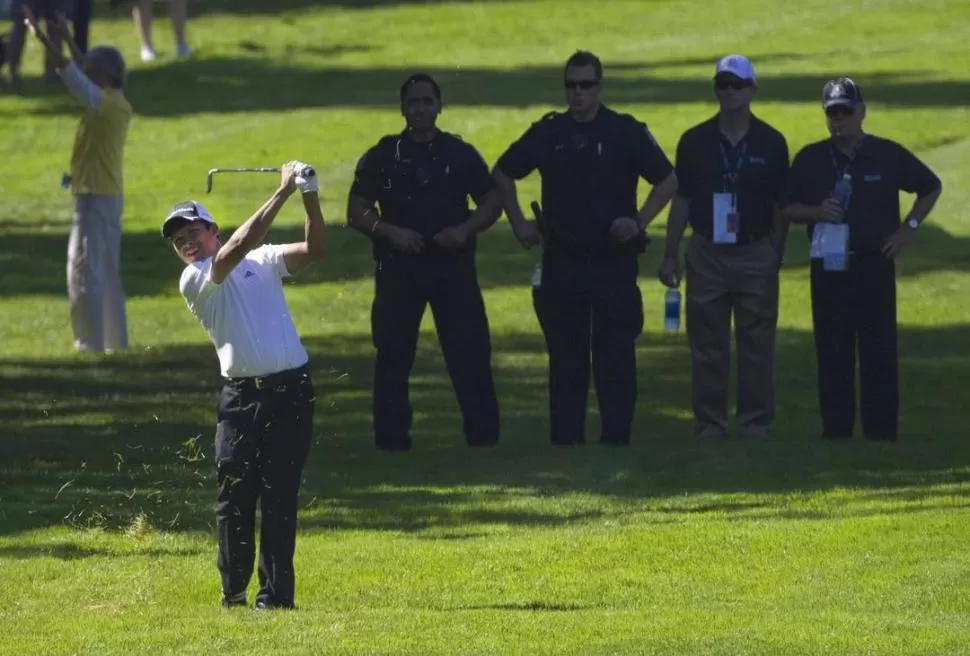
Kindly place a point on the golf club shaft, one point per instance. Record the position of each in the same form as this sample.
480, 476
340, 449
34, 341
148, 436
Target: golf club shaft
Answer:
261, 169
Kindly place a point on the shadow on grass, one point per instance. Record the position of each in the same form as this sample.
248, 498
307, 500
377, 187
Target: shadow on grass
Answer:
73, 551
122, 8
33, 262
251, 82
90, 442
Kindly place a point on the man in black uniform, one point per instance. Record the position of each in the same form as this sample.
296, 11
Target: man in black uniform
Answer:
731, 172
859, 302
424, 249
587, 300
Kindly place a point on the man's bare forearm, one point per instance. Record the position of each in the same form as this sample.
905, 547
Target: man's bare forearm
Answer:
676, 225
657, 199
314, 228
923, 205
800, 213
487, 213
509, 196
363, 217
57, 57
248, 236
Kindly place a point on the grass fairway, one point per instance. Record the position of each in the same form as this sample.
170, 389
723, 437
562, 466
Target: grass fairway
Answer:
785, 546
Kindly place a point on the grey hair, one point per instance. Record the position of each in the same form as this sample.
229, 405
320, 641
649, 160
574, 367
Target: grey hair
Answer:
110, 62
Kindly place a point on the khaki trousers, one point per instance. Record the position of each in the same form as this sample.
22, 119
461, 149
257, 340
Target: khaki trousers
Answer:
94, 287
723, 279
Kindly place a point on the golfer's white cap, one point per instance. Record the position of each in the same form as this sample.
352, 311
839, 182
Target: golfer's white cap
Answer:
186, 211
738, 65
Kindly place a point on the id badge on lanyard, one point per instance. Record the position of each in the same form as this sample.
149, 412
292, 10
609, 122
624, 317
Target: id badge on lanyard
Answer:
830, 241
727, 217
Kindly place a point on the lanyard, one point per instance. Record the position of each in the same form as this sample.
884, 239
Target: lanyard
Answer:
841, 171
732, 173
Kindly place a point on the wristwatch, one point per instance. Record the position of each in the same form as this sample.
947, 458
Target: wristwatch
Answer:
912, 223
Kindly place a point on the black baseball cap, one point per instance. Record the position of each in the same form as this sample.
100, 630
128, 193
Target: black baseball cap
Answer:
841, 91
187, 211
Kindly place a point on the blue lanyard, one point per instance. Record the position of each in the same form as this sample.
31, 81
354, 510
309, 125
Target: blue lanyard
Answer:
841, 171
732, 173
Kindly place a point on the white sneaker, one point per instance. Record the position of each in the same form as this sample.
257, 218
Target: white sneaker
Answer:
184, 50
147, 54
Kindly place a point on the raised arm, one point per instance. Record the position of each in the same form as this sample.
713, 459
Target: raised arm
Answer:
250, 234
78, 84
31, 22
299, 255
64, 27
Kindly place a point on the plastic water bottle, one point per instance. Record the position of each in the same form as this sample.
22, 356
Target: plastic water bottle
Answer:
537, 276
843, 191
672, 310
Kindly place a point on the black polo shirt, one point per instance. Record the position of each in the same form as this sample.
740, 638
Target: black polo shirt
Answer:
590, 171
881, 169
760, 159
422, 186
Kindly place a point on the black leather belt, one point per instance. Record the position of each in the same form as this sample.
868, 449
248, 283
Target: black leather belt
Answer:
744, 238
270, 380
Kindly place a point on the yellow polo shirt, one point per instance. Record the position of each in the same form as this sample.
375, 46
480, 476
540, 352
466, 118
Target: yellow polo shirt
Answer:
97, 160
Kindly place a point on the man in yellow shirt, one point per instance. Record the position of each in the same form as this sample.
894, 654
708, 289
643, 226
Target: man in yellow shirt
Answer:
94, 284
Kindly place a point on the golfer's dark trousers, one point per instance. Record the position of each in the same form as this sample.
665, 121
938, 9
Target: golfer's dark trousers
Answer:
589, 308
856, 310
448, 282
262, 440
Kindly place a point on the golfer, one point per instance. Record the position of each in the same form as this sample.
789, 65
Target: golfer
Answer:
266, 406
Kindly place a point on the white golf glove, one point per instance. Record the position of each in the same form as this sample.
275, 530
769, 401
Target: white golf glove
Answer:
306, 178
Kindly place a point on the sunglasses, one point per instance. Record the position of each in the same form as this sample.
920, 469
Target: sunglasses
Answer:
735, 84
839, 110
582, 84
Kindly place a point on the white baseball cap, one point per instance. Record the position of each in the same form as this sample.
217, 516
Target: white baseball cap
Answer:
186, 211
738, 65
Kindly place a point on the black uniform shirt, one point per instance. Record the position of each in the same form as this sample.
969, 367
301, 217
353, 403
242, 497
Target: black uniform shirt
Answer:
879, 171
422, 186
589, 171
760, 160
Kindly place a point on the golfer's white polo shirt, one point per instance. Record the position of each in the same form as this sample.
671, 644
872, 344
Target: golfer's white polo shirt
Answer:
246, 316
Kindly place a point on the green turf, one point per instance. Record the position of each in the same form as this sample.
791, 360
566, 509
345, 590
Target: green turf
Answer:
786, 546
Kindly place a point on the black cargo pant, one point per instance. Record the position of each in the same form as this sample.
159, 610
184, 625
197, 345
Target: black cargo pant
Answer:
589, 307
850, 308
262, 440
448, 282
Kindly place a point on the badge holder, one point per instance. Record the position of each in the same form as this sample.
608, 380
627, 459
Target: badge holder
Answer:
830, 243
727, 220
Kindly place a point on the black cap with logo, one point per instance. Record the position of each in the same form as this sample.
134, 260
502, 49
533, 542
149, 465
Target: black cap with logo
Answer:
841, 91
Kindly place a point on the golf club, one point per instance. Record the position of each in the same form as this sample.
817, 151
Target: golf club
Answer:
208, 178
